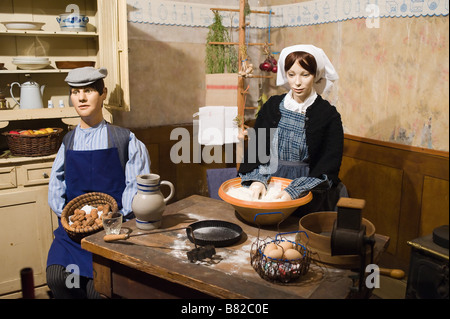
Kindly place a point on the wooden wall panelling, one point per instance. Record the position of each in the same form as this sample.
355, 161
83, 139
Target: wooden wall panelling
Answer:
410, 180
157, 141
368, 181
435, 199
410, 209
153, 152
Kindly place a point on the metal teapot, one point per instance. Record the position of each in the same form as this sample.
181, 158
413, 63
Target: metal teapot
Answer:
30, 95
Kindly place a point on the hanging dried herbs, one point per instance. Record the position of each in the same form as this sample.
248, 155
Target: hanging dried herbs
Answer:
220, 58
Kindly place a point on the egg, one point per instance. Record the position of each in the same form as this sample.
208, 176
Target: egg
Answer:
292, 254
285, 245
269, 248
275, 254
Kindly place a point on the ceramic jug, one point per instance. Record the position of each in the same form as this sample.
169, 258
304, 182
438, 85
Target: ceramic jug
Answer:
30, 95
149, 203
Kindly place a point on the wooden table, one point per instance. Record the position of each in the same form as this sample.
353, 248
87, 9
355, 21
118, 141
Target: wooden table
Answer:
156, 266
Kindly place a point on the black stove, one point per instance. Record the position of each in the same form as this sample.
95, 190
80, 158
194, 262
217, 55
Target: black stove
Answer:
429, 263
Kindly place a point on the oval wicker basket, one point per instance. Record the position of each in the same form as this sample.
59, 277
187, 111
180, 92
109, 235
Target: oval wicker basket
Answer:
92, 199
34, 145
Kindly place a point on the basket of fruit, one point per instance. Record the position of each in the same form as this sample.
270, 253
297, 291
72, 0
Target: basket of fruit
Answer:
82, 216
42, 142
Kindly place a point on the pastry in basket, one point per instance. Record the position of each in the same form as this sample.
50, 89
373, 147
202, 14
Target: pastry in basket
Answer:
89, 170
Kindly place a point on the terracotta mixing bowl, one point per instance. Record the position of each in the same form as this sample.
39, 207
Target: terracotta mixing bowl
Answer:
318, 226
248, 209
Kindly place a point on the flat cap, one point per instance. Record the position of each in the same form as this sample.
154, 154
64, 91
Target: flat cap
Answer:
85, 76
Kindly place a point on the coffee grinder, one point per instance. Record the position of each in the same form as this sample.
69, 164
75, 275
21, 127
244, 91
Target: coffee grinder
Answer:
348, 234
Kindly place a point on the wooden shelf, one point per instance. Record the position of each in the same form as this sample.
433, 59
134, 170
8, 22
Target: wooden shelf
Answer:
258, 76
19, 71
68, 115
35, 114
33, 33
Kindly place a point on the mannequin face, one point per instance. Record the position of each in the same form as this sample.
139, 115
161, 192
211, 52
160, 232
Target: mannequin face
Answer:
88, 103
300, 81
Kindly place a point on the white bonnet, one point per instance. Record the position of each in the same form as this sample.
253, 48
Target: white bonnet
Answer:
325, 75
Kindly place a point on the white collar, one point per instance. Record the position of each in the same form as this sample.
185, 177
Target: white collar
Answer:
292, 105
93, 128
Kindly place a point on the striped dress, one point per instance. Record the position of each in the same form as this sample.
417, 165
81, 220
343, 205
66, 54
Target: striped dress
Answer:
289, 144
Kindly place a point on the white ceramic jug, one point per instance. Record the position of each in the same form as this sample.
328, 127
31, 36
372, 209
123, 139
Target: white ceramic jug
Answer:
30, 95
148, 204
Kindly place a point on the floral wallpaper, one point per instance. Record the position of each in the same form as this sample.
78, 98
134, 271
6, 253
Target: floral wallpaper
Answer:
394, 80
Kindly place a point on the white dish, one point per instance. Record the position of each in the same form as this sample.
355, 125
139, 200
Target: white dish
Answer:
35, 58
32, 66
30, 60
23, 25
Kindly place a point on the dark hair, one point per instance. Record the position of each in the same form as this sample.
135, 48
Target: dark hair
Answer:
98, 85
306, 60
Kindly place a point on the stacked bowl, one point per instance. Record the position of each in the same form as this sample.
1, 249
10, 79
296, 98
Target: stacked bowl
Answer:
31, 63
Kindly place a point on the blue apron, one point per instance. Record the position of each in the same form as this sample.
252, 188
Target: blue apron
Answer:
291, 169
86, 171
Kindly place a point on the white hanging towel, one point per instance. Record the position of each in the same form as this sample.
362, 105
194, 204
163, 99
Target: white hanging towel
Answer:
217, 125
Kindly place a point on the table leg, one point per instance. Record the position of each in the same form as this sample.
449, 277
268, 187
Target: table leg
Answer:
102, 276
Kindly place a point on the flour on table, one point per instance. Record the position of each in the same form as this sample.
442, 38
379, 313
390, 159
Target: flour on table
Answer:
232, 260
180, 247
236, 258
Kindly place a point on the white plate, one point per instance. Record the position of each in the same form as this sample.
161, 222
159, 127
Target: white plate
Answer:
30, 60
31, 66
34, 58
23, 25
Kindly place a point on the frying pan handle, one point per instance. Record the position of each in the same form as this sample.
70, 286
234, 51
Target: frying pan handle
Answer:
254, 218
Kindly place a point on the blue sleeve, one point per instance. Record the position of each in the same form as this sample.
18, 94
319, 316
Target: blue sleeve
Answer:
259, 174
304, 184
57, 183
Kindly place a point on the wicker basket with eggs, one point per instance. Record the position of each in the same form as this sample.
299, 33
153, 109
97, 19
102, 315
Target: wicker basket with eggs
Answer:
279, 260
